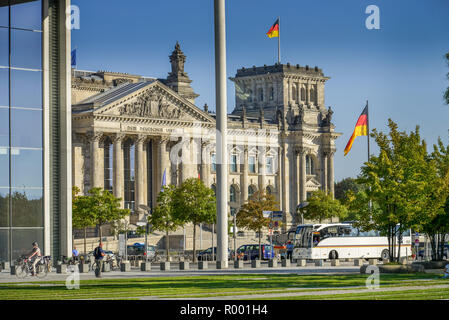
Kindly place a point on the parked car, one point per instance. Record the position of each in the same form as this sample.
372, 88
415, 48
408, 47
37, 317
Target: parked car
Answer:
137, 249
251, 252
206, 255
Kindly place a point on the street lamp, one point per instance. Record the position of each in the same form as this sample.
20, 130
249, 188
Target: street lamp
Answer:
144, 222
300, 206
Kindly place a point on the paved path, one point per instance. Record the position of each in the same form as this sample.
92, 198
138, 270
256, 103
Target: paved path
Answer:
5, 277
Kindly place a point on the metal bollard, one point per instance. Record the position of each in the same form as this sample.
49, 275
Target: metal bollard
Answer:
358, 262
255, 263
184, 265
301, 262
203, 265
273, 263
285, 263
165, 266
335, 262
319, 263
238, 264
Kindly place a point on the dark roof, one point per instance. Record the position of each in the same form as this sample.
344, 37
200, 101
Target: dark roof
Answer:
114, 94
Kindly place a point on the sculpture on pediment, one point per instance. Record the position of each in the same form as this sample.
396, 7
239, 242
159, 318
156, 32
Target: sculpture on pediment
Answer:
166, 110
328, 118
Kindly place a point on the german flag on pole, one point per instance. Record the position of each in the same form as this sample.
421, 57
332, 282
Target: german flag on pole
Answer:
274, 30
361, 129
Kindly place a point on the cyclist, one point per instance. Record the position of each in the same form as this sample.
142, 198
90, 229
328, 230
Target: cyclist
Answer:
99, 254
35, 257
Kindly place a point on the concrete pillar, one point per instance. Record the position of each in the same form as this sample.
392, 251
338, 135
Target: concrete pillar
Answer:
118, 168
221, 136
139, 172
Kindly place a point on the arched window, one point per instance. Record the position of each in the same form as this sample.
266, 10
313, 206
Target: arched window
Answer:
269, 190
310, 165
232, 194
251, 191
303, 94
312, 95
294, 92
271, 93
260, 94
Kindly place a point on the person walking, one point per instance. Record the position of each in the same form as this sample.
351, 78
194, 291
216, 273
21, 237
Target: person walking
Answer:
99, 254
289, 250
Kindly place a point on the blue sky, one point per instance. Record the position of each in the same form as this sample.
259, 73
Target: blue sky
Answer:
399, 68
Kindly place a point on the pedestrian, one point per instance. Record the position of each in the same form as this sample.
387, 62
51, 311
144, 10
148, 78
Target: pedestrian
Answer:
35, 257
446, 271
289, 250
75, 254
99, 254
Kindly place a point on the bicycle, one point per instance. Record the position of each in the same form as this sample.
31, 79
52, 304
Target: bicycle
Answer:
24, 267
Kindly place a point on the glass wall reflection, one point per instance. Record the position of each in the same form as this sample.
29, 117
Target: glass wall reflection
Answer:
4, 208
22, 240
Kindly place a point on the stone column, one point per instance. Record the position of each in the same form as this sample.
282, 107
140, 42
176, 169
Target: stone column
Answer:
324, 177
330, 161
244, 177
96, 172
307, 93
204, 165
262, 171
164, 163
289, 90
303, 176
118, 168
139, 172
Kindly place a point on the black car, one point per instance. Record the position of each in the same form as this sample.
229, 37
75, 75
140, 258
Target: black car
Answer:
251, 252
206, 255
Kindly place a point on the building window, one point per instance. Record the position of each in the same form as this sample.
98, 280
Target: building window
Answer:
21, 130
252, 164
232, 194
294, 92
271, 93
251, 191
260, 94
269, 165
310, 165
303, 94
213, 163
233, 163
108, 173
250, 96
269, 190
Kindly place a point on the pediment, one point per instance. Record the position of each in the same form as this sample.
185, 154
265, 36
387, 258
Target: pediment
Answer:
154, 101
312, 183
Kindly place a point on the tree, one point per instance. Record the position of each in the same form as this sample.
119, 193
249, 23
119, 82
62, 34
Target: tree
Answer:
163, 216
82, 215
343, 186
395, 182
433, 219
446, 94
194, 202
250, 215
322, 206
105, 207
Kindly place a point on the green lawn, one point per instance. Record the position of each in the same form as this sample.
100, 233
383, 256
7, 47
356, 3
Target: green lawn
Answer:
228, 285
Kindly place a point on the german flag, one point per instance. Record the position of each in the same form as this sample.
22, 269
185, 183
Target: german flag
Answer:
274, 30
361, 129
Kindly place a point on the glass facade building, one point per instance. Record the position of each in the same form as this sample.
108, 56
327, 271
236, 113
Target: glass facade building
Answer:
27, 124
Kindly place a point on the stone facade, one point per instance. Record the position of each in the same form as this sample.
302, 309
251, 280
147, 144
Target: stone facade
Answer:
128, 130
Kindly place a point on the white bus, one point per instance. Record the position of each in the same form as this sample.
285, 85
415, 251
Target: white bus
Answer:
342, 240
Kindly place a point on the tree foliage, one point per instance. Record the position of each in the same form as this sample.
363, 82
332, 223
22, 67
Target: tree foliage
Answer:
396, 182
194, 202
322, 206
250, 215
163, 217
342, 187
103, 207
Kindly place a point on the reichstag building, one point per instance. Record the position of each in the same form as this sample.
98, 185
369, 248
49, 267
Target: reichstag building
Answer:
127, 130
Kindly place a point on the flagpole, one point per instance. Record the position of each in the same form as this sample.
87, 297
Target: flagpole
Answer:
370, 204
279, 41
